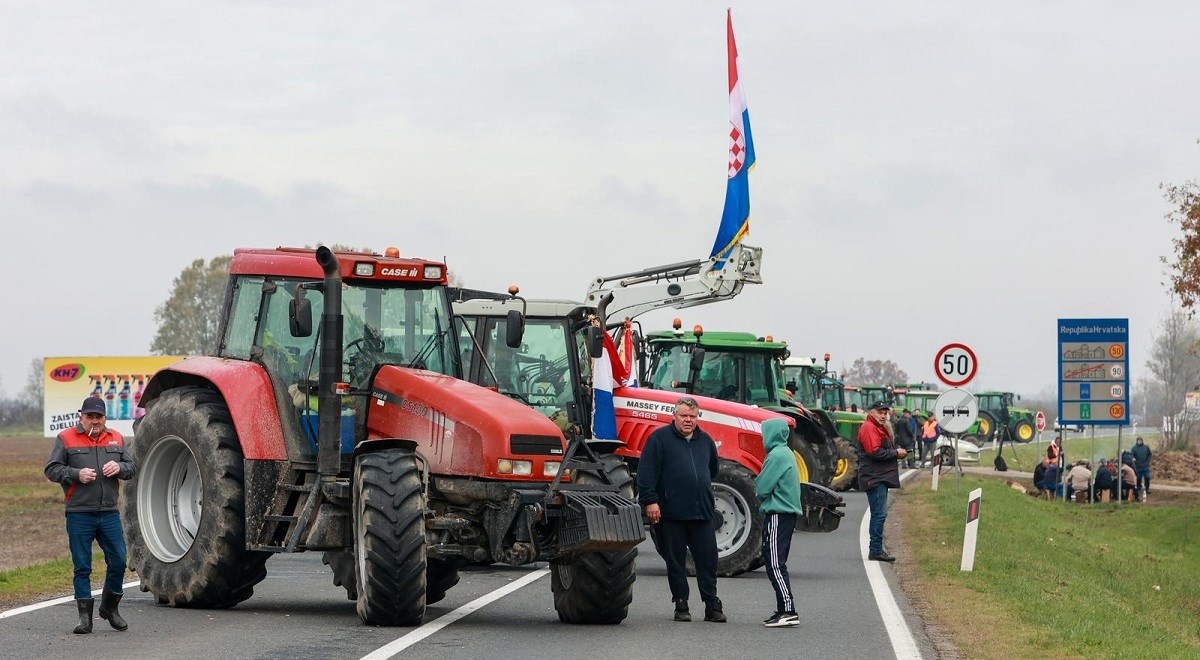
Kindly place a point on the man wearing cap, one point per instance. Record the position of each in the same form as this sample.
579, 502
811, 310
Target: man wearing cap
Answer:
878, 471
88, 460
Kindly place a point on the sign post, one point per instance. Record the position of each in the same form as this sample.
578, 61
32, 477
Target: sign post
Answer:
1093, 374
972, 531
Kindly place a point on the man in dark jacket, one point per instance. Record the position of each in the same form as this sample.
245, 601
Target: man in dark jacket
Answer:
1141, 466
88, 460
878, 471
1103, 482
674, 479
903, 429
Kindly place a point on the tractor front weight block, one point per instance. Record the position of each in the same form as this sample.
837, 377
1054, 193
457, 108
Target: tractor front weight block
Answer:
821, 506
598, 521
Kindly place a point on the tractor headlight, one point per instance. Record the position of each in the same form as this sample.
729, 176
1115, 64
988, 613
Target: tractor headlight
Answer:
433, 272
550, 468
523, 468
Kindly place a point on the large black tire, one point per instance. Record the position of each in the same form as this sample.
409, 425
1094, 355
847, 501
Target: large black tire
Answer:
987, 426
389, 538
807, 461
1023, 431
846, 474
739, 537
185, 506
597, 587
341, 562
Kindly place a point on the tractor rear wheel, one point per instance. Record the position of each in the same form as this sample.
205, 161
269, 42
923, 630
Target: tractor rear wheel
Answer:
389, 538
846, 474
184, 508
987, 425
807, 461
597, 587
342, 564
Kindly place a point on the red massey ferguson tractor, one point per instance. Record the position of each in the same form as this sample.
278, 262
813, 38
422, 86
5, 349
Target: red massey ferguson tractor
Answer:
398, 470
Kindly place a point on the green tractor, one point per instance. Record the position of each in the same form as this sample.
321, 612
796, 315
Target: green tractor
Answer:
998, 419
818, 388
740, 367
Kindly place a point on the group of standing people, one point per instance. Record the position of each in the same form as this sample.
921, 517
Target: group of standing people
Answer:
914, 434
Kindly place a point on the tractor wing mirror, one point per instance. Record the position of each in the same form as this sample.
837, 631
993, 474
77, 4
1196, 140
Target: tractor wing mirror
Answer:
595, 341
300, 317
514, 328
697, 358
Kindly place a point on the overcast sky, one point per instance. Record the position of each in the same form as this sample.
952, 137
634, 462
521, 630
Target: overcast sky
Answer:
928, 172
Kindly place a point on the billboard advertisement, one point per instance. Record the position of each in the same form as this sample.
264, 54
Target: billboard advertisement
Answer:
118, 380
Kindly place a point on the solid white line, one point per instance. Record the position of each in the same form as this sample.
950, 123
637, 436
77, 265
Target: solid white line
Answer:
399, 644
904, 645
57, 601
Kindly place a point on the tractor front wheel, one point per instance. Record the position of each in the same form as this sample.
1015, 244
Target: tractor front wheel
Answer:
597, 587
389, 538
846, 474
1023, 431
184, 508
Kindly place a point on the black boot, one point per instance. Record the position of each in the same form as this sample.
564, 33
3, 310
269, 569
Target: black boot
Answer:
108, 610
85, 616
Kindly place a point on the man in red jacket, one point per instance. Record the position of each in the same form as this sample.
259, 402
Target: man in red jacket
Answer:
878, 471
88, 460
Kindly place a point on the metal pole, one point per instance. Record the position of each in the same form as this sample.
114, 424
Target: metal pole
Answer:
1092, 487
1119, 464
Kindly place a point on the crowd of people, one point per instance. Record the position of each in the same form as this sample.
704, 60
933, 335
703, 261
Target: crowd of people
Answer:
1127, 478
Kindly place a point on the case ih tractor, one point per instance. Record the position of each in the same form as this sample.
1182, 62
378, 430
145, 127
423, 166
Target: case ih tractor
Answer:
551, 372
359, 439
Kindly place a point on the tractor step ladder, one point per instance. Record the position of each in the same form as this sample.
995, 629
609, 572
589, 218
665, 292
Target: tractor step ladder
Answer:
291, 511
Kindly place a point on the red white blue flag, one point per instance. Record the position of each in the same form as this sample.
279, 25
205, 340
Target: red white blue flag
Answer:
735, 219
607, 374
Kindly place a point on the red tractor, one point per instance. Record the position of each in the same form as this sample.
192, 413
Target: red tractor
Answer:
362, 441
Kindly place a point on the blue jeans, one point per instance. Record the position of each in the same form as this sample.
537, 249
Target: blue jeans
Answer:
1143, 479
105, 529
877, 500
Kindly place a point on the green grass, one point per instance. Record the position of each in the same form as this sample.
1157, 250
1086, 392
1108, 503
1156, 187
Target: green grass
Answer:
1089, 581
52, 578
29, 431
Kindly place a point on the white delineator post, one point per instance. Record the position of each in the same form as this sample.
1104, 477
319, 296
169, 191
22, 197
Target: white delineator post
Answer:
937, 463
972, 532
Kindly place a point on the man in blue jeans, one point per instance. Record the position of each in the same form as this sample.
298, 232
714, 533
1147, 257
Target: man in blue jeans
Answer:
87, 460
878, 471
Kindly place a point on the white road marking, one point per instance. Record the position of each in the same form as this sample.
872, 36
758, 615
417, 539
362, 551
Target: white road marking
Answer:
904, 645
399, 644
57, 601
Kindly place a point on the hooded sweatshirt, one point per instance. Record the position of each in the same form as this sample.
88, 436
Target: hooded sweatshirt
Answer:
778, 484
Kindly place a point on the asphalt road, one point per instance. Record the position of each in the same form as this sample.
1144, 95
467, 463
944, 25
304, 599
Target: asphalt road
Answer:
298, 613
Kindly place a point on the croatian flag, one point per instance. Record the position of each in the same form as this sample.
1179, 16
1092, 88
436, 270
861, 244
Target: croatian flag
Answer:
735, 219
607, 374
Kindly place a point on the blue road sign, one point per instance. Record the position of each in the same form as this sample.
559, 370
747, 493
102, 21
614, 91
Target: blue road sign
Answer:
1093, 371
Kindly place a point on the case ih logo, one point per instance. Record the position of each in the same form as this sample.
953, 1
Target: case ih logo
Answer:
399, 272
67, 373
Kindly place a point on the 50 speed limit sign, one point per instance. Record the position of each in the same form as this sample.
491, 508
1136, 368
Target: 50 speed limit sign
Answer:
955, 365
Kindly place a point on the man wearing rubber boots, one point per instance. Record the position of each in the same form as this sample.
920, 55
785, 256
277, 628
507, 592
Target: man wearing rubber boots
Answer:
88, 460
675, 473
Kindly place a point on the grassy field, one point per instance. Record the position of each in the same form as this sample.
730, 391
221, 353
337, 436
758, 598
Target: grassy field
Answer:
1056, 580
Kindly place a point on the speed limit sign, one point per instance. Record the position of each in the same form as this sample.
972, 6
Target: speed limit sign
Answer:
955, 365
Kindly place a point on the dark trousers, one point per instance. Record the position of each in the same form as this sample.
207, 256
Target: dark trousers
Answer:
679, 536
927, 450
105, 529
1143, 479
776, 544
877, 500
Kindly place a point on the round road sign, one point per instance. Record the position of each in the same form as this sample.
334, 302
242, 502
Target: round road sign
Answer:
955, 365
1040, 421
956, 410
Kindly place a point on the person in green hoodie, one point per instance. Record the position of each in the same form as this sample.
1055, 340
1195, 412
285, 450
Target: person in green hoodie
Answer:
778, 488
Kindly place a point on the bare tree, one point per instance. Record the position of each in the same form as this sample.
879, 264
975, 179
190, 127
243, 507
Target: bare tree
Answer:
1175, 364
874, 372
